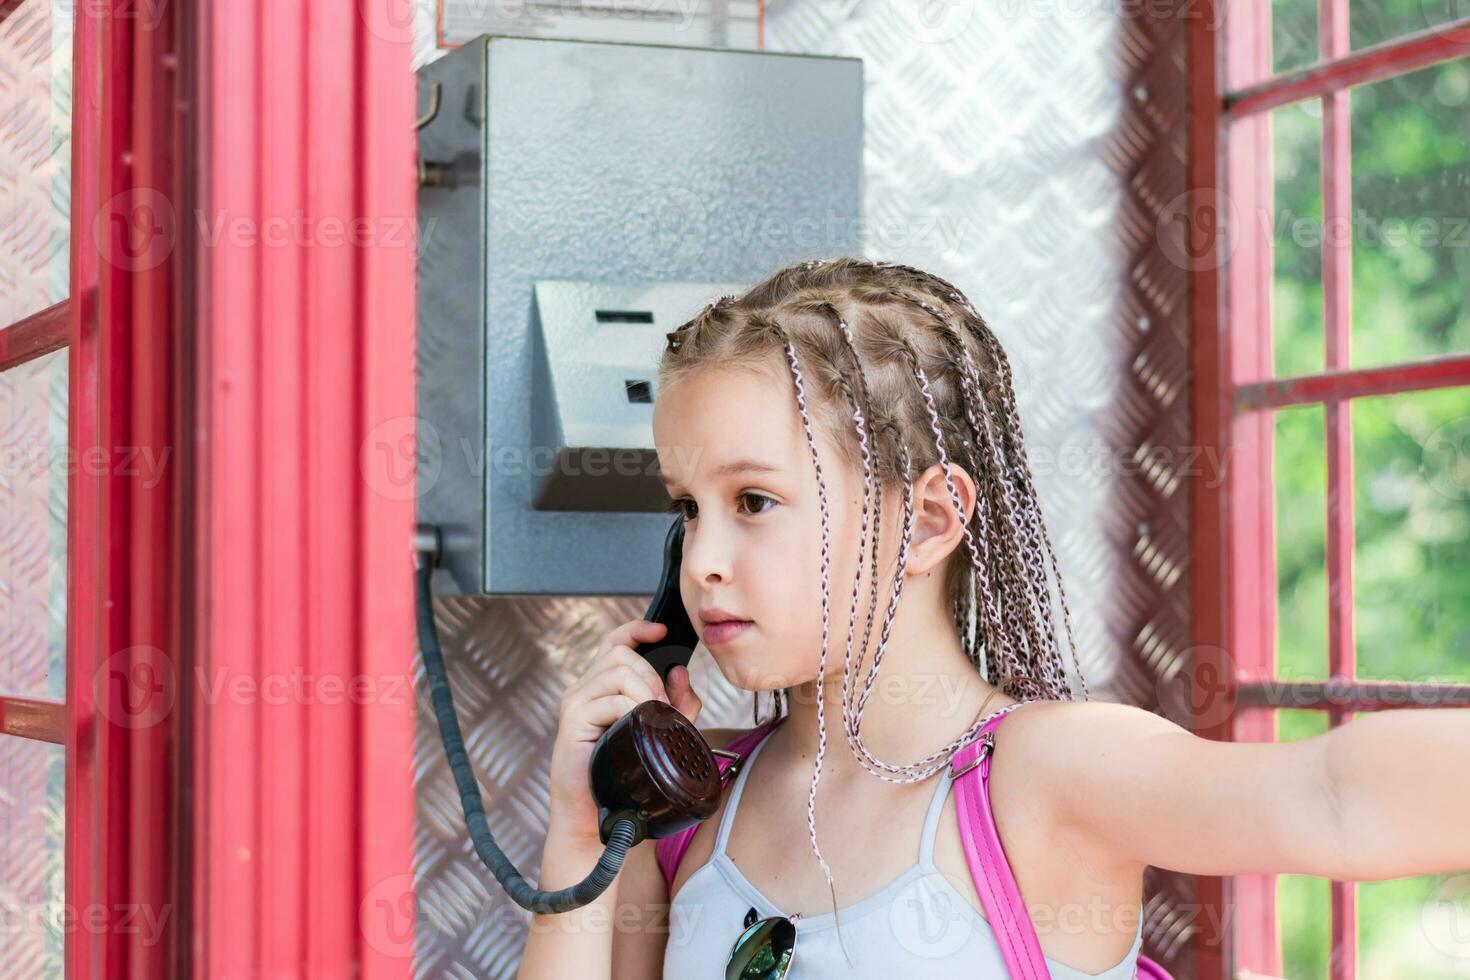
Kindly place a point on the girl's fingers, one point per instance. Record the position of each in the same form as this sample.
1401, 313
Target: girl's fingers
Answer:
632, 633
592, 718
681, 693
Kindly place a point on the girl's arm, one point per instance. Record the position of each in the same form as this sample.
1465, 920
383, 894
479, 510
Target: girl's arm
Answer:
1383, 796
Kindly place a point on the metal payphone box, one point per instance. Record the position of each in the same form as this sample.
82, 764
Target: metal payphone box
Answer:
579, 200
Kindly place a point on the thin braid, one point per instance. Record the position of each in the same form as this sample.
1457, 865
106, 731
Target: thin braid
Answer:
811, 800
1041, 630
1013, 419
995, 625
1012, 436
858, 399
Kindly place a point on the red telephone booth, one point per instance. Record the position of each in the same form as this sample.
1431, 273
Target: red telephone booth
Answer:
207, 413
207, 305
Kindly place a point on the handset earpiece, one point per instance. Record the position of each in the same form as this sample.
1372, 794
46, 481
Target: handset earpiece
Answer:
678, 642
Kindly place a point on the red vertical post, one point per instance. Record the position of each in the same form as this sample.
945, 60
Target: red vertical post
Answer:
1249, 601
1210, 666
123, 769
305, 820
1337, 280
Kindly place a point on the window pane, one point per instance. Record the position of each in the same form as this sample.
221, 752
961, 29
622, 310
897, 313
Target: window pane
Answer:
1301, 571
1373, 21
1293, 34
1296, 294
1414, 927
32, 834
1303, 902
33, 445
35, 155
1411, 230
1411, 463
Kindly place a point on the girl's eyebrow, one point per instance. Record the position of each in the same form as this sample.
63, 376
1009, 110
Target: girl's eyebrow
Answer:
731, 468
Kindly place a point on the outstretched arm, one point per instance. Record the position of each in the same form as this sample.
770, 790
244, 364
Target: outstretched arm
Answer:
1401, 780
1383, 796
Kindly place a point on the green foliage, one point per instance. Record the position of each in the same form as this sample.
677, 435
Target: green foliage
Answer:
1410, 139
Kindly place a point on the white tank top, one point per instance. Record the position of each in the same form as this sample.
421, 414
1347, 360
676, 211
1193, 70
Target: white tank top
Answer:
918, 925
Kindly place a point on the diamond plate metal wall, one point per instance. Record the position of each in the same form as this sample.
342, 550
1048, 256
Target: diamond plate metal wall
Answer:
1030, 158
35, 169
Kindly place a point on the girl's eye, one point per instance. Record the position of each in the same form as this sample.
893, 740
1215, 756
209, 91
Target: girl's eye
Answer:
678, 506
758, 496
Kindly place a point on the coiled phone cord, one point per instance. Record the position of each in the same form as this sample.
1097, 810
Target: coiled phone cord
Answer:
526, 895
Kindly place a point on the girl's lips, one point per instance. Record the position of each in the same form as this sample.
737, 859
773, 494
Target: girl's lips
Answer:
724, 632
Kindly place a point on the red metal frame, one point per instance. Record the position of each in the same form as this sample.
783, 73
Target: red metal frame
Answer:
1210, 417
1337, 280
760, 26
123, 830
1340, 70
36, 718
1446, 371
304, 820
35, 336
1234, 399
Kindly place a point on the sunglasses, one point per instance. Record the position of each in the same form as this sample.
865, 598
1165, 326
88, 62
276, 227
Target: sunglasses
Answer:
765, 948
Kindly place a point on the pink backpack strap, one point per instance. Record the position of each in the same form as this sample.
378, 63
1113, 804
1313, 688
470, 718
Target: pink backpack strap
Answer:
994, 881
670, 850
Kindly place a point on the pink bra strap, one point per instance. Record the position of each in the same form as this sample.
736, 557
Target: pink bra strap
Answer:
994, 882
670, 850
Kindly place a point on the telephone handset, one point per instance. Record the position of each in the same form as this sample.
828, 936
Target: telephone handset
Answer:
678, 643
651, 772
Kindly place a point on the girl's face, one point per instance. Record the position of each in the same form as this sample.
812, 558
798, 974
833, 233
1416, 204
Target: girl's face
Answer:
734, 458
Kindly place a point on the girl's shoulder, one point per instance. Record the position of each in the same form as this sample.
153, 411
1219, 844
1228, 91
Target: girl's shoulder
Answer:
1046, 746
1045, 736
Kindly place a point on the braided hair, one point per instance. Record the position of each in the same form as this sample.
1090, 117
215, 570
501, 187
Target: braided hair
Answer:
903, 373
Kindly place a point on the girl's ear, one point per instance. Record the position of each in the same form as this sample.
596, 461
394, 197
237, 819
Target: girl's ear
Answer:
938, 528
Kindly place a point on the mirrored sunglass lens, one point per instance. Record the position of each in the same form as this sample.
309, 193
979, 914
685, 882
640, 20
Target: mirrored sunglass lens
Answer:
763, 952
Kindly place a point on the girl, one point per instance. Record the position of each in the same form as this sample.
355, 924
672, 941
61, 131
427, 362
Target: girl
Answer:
834, 402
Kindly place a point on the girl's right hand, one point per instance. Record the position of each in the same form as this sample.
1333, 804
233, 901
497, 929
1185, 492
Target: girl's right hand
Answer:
618, 680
